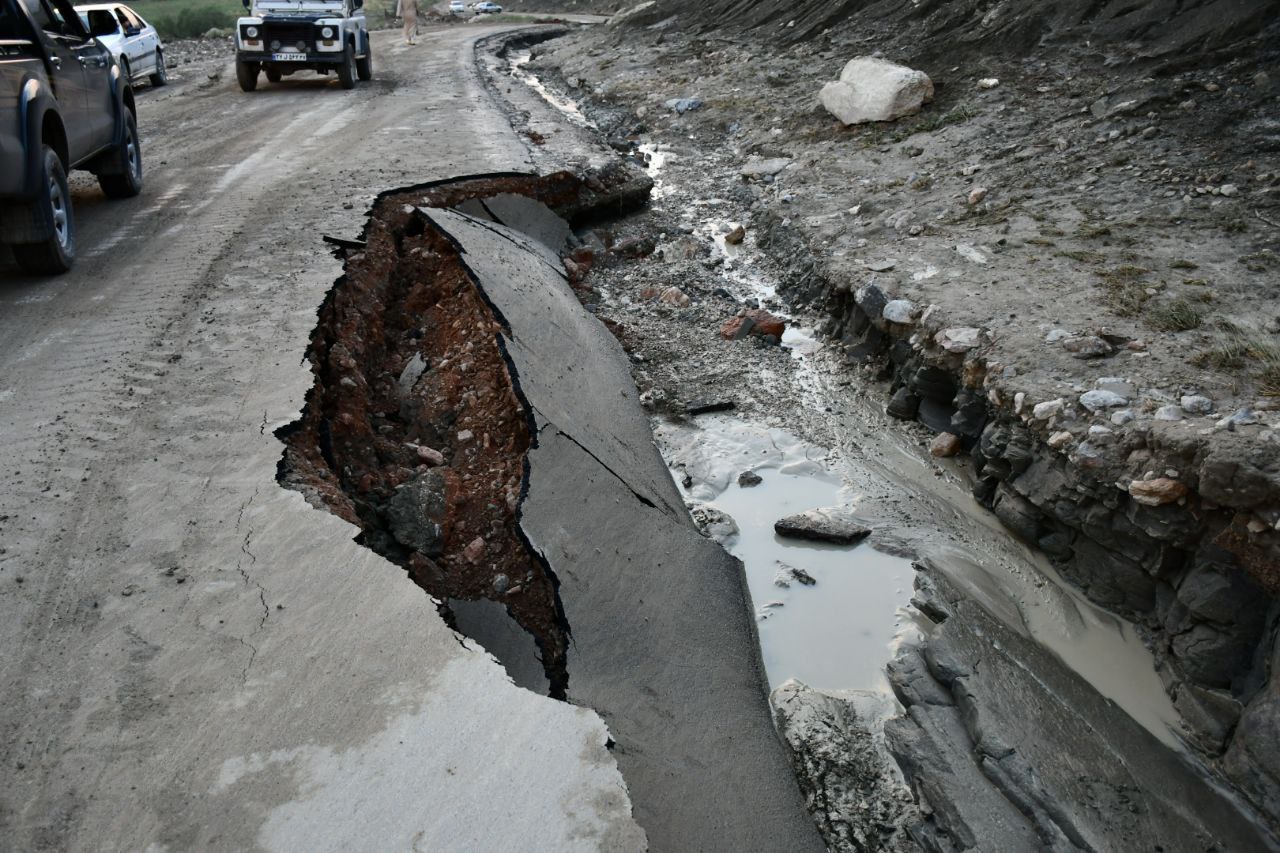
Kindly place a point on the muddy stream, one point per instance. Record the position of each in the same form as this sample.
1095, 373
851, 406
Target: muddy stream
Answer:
838, 633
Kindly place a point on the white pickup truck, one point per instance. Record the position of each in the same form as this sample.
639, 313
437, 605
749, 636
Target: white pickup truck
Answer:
281, 37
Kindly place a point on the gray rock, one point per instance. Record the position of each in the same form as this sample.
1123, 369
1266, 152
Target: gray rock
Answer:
1194, 404
411, 373
825, 524
958, 339
903, 404
416, 511
758, 168
901, 311
1089, 346
1169, 413
871, 89
749, 478
684, 105
844, 773
1099, 399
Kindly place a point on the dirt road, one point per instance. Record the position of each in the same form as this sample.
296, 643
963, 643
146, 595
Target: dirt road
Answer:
159, 691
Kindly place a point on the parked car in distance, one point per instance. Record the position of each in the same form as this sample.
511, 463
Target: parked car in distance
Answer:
457, 7
133, 42
64, 104
487, 8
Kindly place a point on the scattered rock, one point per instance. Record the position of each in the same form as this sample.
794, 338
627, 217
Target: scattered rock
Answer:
736, 236
1049, 408
791, 573
988, 83
1169, 413
749, 478
977, 194
901, 311
883, 265
737, 328
1059, 439
827, 524
766, 323
903, 404
675, 296
411, 373
759, 168
501, 583
429, 455
684, 105
944, 445
713, 523
416, 511
871, 89
1157, 492
1194, 404
959, 339
1102, 399
1087, 346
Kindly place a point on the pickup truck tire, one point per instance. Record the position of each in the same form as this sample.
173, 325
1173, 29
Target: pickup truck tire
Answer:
160, 76
122, 175
364, 65
247, 75
347, 70
57, 252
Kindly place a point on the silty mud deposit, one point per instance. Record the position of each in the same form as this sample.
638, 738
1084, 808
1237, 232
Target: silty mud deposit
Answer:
836, 632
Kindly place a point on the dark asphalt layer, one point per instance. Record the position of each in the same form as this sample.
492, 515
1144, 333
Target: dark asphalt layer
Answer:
664, 646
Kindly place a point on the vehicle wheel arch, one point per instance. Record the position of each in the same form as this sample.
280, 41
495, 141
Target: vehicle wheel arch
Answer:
54, 134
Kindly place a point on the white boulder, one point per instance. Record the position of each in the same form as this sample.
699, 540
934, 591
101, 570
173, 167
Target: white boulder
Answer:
871, 89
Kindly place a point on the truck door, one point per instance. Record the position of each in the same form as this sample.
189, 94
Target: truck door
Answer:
66, 74
19, 56
95, 60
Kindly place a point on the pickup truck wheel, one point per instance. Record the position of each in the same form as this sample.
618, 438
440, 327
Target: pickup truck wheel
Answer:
247, 75
347, 70
160, 76
123, 178
273, 75
57, 252
364, 65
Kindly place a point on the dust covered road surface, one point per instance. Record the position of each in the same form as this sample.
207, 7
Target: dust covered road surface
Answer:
195, 657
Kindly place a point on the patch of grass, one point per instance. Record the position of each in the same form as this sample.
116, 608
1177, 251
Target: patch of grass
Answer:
1040, 241
188, 18
1183, 264
1196, 282
930, 123
1176, 316
1092, 230
1126, 292
1083, 256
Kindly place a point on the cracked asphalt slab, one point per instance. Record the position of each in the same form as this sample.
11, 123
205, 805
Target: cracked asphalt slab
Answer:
195, 657
664, 645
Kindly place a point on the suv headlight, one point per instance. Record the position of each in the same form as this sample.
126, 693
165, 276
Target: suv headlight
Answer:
251, 32
327, 32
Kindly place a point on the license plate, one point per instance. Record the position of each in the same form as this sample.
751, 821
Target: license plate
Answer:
288, 57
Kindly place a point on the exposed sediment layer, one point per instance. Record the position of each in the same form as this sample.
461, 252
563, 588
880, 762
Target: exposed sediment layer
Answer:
1198, 572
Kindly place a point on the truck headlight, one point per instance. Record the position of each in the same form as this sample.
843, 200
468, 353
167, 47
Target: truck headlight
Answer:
327, 32
251, 32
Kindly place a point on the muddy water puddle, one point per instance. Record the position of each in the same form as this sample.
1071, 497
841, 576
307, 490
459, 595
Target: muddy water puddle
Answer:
836, 633
517, 60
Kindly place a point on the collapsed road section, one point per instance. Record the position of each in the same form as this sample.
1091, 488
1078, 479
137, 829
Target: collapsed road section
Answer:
483, 431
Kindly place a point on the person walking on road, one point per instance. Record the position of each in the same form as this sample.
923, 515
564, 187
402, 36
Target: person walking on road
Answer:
408, 10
